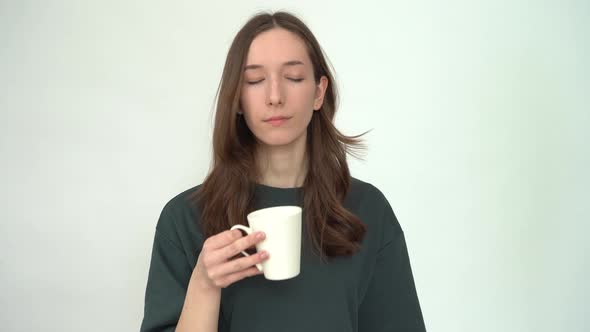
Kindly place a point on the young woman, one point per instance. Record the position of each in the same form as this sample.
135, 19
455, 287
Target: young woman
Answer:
275, 143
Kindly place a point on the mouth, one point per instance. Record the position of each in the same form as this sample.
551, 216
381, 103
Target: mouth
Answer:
277, 120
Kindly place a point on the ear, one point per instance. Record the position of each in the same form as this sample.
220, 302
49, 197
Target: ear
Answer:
320, 92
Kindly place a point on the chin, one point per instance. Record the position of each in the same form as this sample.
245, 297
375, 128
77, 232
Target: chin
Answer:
277, 140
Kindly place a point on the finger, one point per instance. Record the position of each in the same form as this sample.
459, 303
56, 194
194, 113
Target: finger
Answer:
237, 265
240, 245
223, 254
222, 239
232, 278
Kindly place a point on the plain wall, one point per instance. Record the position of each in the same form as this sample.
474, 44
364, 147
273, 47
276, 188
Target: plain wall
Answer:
480, 143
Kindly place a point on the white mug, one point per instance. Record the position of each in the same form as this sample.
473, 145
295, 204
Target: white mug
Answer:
282, 226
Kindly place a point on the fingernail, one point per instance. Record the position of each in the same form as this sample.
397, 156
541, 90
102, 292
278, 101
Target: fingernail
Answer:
264, 254
260, 235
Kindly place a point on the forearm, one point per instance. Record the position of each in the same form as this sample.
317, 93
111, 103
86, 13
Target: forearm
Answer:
200, 312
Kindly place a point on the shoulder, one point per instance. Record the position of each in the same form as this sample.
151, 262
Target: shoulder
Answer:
367, 193
179, 214
374, 207
181, 202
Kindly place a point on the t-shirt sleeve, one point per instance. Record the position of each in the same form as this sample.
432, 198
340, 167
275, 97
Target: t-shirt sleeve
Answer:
169, 273
391, 302
167, 283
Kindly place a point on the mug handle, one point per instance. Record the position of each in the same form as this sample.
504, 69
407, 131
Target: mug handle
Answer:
248, 230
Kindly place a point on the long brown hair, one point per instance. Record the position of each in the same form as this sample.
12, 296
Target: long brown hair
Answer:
227, 194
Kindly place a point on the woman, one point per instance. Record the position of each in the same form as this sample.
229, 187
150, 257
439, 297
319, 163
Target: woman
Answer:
275, 144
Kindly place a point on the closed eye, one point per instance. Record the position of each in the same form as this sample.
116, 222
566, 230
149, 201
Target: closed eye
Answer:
290, 79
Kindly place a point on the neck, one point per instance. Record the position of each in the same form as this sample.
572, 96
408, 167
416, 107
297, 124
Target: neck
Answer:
283, 166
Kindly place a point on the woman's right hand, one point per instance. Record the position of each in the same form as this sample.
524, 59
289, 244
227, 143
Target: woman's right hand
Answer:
215, 269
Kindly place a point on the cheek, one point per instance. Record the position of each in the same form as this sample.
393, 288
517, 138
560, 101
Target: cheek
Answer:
245, 98
250, 99
308, 95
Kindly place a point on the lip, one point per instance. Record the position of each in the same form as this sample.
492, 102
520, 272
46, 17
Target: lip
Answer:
277, 118
276, 121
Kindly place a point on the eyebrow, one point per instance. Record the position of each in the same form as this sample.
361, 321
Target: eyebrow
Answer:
288, 63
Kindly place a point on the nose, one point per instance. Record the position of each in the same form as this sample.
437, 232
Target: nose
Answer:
274, 95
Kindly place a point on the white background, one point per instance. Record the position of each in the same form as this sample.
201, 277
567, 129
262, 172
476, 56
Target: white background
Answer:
480, 138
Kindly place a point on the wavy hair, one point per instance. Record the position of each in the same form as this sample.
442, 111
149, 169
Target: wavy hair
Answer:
227, 194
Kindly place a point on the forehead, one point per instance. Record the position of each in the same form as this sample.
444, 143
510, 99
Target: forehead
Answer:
276, 46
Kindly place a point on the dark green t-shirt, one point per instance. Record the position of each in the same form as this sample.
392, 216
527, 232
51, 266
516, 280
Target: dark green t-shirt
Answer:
370, 291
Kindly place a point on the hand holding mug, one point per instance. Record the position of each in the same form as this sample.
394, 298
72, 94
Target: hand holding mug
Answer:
214, 268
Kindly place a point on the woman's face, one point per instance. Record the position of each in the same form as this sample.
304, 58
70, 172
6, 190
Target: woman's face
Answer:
278, 83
